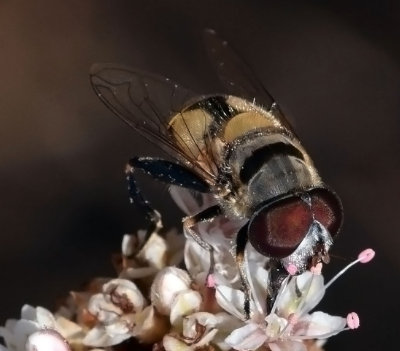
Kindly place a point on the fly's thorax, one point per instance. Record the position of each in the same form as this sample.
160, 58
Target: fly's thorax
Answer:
248, 118
235, 203
269, 163
199, 127
189, 128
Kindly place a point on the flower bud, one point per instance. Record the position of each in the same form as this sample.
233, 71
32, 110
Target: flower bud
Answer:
167, 284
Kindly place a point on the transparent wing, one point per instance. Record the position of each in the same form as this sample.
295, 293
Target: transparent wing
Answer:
237, 76
146, 103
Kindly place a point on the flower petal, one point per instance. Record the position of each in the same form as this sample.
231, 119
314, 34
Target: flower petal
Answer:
206, 339
249, 337
185, 303
167, 283
67, 328
258, 279
21, 332
45, 318
172, 344
120, 327
227, 323
154, 252
231, 300
206, 319
197, 259
275, 325
105, 312
124, 294
129, 244
287, 345
319, 325
187, 202
175, 242
311, 289
45, 340
28, 312
138, 273
150, 326
191, 323
98, 337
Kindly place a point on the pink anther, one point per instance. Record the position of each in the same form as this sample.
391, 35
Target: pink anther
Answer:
366, 256
353, 321
316, 269
291, 269
210, 281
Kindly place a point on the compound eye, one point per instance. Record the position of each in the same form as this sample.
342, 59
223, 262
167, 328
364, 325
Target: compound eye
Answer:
327, 209
277, 230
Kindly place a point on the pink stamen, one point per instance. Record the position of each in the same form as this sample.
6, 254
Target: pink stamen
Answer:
291, 269
316, 269
366, 255
353, 321
210, 281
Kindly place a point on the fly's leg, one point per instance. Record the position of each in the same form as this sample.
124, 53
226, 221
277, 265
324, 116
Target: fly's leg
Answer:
204, 216
136, 197
277, 275
241, 241
166, 172
277, 271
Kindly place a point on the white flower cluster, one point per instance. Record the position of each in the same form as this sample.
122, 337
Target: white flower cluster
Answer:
176, 309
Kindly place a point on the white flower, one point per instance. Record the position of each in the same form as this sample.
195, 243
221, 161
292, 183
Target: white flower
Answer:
199, 330
33, 320
115, 309
191, 202
47, 340
190, 310
150, 326
75, 305
185, 303
158, 252
167, 284
220, 234
289, 321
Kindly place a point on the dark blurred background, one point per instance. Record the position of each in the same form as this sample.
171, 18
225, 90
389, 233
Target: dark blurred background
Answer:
332, 65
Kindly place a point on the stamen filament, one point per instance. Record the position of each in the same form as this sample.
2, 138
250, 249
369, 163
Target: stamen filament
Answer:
364, 257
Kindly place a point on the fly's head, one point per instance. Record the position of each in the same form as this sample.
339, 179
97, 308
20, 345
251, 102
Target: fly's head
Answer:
297, 228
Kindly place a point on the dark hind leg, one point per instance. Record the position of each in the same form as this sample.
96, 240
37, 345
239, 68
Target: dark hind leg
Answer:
166, 172
241, 241
277, 273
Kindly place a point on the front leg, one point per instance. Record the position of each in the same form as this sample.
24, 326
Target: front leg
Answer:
166, 172
204, 216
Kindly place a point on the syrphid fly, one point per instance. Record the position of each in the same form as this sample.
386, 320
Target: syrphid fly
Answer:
237, 146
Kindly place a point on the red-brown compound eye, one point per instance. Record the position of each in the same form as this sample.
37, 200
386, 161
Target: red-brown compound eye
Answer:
327, 209
277, 230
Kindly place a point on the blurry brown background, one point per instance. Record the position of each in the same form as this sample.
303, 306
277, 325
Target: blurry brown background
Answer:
332, 65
